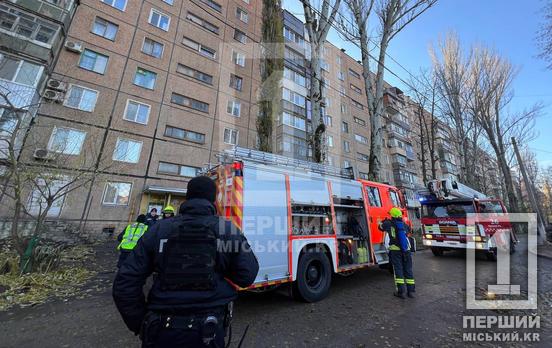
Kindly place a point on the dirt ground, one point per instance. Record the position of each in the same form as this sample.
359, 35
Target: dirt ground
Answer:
359, 312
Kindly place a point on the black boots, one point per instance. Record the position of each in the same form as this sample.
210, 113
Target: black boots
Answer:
399, 295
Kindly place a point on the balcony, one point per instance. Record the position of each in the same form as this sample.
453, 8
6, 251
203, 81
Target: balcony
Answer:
289, 106
411, 155
61, 12
19, 96
398, 119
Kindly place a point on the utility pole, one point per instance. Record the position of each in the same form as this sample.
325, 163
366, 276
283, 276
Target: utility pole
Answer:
541, 232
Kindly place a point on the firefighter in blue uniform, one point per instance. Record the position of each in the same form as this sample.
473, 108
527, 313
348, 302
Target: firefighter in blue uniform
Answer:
398, 244
191, 257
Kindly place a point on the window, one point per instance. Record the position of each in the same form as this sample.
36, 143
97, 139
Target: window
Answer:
183, 134
361, 138
292, 36
236, 82
93, 61
145, 78
159, 19
137, 112
242, 15
127, 150
340, 76
293, 97
117, 193
26, 25
212, 4
66, 140
357, 104
344, 127
177, 169
152, 48
338, 60
240, 36
343, 108
356, 89
105, 28
400, 159
374, 197
196, 46
354, 74
395, 198
296, 77
234, 108
329, 140
8, 123
238, 58
230, 136
195, 74
347, 164
328, 120
170, 2
81, 98
346, 146
360, 121
324, 65
294, 57
294, 121
202, 23
37, 199
189, 102
363, 157
20, 71
363, 175
118, 4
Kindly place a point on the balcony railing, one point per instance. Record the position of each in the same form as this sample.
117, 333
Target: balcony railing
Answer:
61, 12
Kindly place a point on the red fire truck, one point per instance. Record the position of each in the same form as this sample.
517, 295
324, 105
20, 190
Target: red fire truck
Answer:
445, 208
304, 221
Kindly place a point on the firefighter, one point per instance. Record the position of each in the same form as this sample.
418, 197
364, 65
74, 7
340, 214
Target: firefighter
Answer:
398, 244
192, 256
130, 236
168, 212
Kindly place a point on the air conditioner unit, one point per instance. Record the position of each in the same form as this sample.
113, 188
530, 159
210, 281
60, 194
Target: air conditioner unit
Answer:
52, 95
42, 154
73, 46
56, 84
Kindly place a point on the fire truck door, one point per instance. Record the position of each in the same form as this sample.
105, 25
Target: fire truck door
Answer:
376, 212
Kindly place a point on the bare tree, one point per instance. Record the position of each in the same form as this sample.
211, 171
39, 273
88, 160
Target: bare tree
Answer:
318, 23
544, 35
393, 16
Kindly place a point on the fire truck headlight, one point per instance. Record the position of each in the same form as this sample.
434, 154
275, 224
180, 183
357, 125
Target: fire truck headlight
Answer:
477, 239
427, 242
429, 236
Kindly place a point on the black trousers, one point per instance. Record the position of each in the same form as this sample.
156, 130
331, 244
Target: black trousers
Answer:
402, 268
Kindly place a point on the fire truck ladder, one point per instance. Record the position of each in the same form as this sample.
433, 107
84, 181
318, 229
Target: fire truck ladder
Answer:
240, 153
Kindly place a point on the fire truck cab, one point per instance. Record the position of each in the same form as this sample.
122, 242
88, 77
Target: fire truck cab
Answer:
445, 208
304, 221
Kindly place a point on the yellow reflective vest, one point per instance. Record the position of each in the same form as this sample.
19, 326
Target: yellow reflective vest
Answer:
133, 233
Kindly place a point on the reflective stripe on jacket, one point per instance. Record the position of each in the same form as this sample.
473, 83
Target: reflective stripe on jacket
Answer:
133, 233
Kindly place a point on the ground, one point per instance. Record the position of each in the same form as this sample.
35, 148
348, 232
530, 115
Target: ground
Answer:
359, 311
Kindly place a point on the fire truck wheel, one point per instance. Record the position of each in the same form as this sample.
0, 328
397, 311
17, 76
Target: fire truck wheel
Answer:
437, 251
491, 255
313, 277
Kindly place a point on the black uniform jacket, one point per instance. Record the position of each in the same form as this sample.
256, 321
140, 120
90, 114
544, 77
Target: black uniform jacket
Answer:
235, 261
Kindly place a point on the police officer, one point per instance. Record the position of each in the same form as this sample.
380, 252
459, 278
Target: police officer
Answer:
398, 244
168, 212
130, 236
191, 257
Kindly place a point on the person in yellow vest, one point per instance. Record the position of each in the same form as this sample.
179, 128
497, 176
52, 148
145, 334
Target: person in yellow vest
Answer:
130, 236
168, 212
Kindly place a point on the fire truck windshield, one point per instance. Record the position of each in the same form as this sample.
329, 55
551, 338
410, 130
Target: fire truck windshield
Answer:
445, 210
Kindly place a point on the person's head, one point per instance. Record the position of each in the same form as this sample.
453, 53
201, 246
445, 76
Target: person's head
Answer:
141, 219
395, 213
168, 212
202, 187
153, 211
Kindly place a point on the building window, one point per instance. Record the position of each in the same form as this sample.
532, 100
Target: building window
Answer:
183, 134
196, 46
240, 36
118, 4
236, 82
177, 169
357, 104
117, 193
127, 150
189, 102
292, 36
354, 74
8, 122
293, 97
363, 157
341, 76
230, 136
234, 108
153, 48
324, 65
347, 164
145, 78
363, 175
329, 140
137, 112
328, 120
361, 139
202, 23
93, 61
242, 15
170, 2
195, 74
81, 98
296, 77
238, 58
344, 127
294, 121
356, 89
105, 28
212, 4
360, 121
66, 140
159, 20
346, 146
27, 25
37, 199
20, 71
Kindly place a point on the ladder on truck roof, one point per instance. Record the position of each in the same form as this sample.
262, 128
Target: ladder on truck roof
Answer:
450, 188
240, 153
